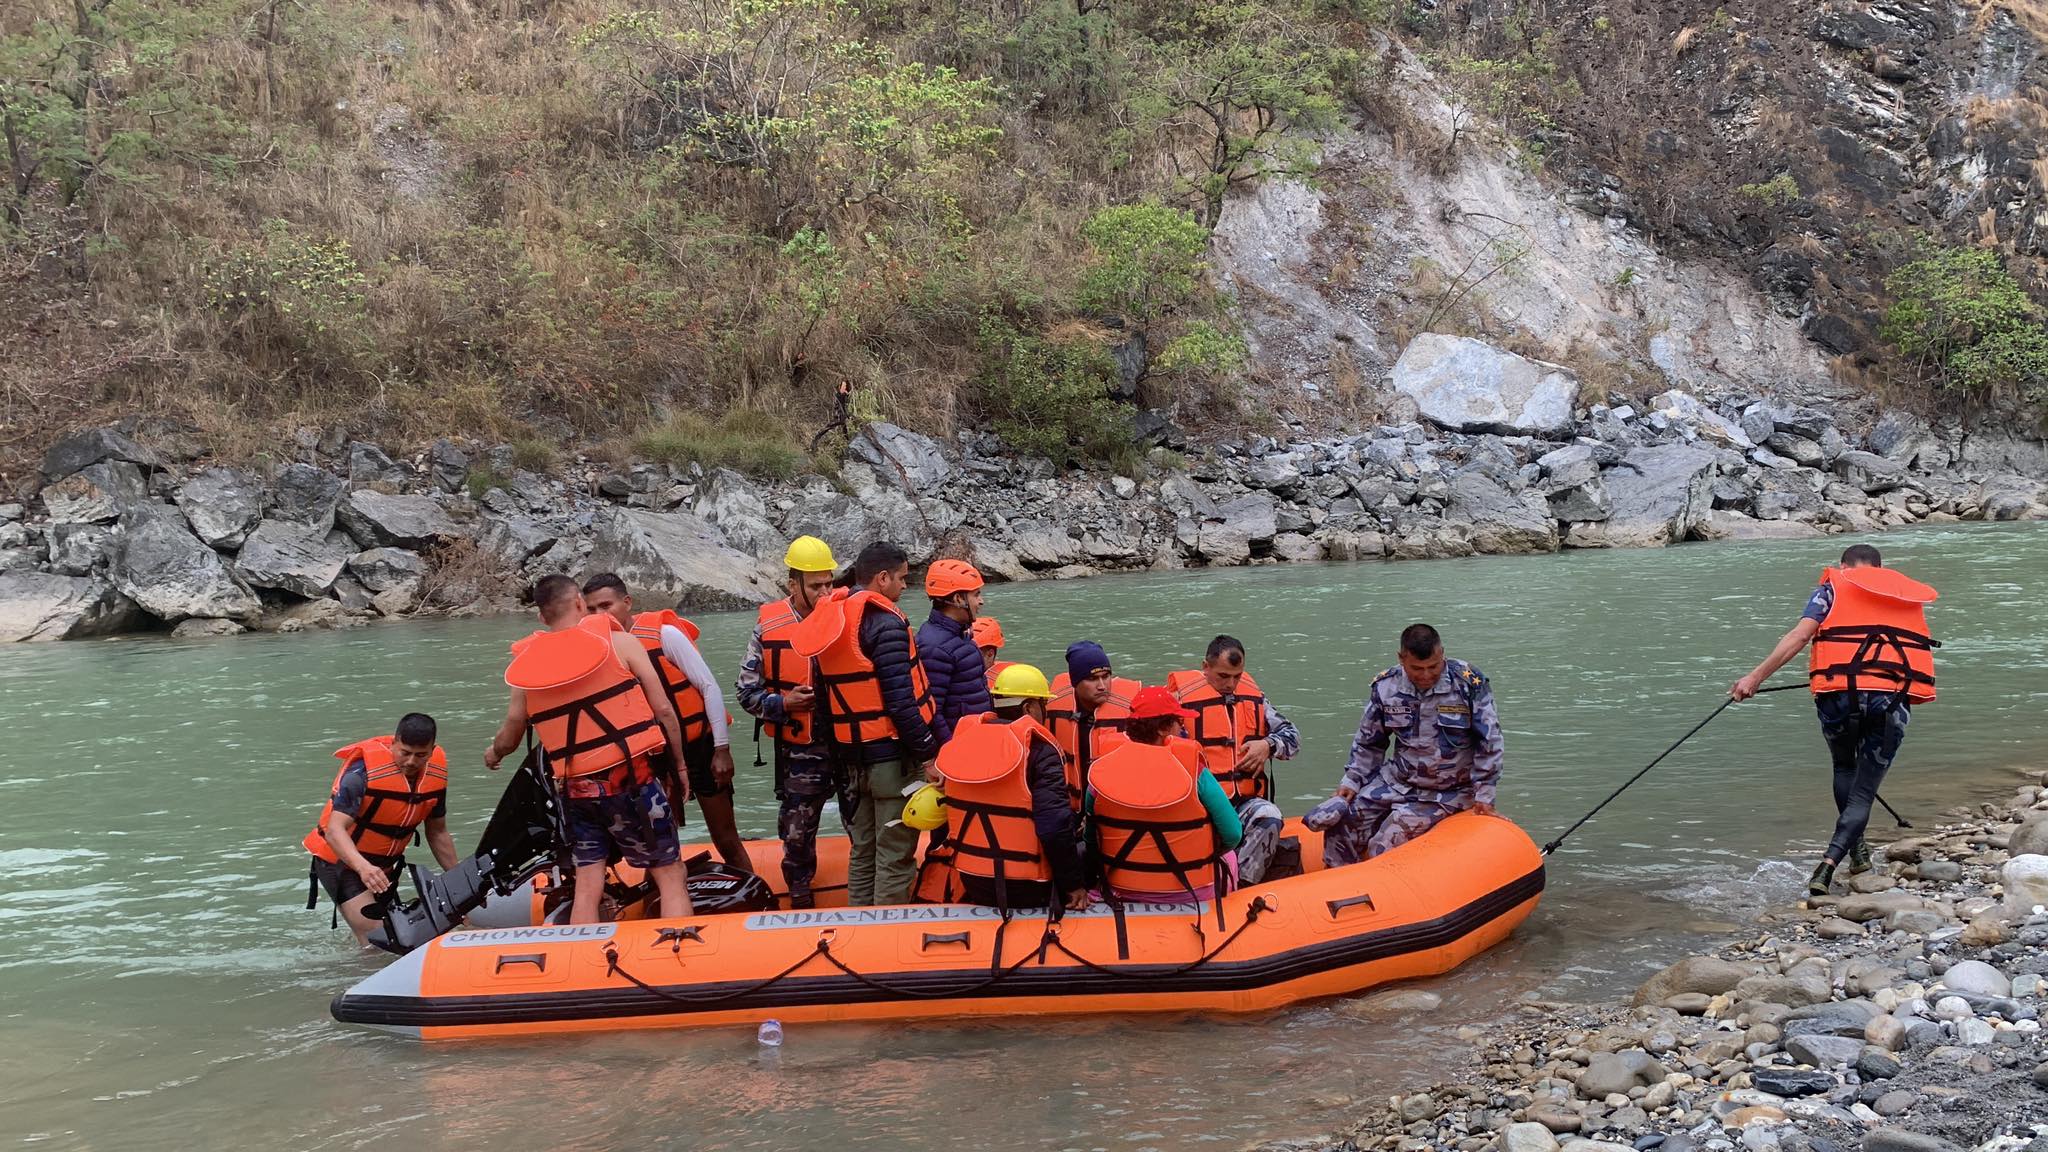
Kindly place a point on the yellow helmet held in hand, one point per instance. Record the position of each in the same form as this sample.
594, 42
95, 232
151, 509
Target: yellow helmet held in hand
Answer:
926, 809
809, 554
1021, 682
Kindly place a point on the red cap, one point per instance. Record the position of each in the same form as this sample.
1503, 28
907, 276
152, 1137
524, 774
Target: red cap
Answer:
1153, 703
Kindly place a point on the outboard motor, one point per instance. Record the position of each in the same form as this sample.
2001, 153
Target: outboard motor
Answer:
518, 842
718, 887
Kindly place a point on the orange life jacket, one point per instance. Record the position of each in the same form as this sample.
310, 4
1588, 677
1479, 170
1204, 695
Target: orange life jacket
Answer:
995, 670
392, 805
1151, 829
1875, 638
986, 766
687, 698
1106, 727
583, 704
851, 692
1223, 727
782, 669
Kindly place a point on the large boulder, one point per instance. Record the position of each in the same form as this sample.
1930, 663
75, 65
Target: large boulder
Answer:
306, 495
90, 447
909, 460
448, 465
732, 502
1254, 514
381, 520
1570, 482
1870, 471
1660, 497
1683, 410
1223, 543
45, 606
513, 539
1707, 975
293, 558
222, 505
1040, 545
96, 494
162, 566
382, 569
1471, 386
81, 549
2026, 885
1500, 521
1729, 524
834, 517
369, 464
675, 558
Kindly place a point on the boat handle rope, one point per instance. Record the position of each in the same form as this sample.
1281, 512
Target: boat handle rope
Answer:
1552, 846
1050, 939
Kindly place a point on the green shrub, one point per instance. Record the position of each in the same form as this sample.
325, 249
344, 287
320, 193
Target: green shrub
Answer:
1776, 192
536, 455
1968, 327
1147, 261
754, 443
1050, 398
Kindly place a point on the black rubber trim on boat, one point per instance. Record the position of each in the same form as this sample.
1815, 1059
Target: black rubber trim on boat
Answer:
1062, 980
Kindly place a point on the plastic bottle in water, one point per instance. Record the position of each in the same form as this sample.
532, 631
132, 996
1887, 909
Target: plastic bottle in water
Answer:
770, 1033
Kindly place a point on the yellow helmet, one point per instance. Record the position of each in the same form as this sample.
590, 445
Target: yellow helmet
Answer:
926, 809
1021, 682
809, 554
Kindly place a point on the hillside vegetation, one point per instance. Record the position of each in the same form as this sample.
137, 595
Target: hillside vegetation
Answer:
623, 221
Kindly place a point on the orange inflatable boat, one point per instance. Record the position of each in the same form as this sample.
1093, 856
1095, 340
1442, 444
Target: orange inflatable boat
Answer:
1420, 910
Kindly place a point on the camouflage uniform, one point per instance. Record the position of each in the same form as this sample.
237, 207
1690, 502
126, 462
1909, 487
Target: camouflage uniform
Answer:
1261, 817
1419, 757
805, 779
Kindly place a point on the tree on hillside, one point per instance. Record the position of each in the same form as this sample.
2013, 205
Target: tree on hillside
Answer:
1968, 327
1229, 83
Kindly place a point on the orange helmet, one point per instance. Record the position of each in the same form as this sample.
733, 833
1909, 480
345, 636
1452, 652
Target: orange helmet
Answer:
946, 577
987, 633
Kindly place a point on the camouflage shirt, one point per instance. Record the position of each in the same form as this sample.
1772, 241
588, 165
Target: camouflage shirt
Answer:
761, 702
1442, 746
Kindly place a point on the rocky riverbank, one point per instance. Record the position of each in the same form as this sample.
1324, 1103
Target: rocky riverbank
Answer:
1899, 1016
134, 527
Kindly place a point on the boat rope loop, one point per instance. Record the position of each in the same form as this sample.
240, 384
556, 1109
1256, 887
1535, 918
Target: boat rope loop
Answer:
1552, 846
1048, 941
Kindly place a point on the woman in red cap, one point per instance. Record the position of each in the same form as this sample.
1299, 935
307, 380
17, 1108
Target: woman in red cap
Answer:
1162, 827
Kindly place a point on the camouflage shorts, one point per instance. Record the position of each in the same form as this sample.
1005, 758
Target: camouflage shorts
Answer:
1374, 825
638, 822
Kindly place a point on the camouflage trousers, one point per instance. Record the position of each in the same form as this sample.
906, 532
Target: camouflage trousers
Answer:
1376, 824
1261, 820
807, 786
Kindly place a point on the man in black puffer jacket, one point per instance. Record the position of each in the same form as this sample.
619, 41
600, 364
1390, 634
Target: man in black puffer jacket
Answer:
952, 663
876, 710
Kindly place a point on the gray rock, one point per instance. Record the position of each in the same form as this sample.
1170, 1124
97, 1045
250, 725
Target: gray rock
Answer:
398, 599
1806, 984
1869, 471
1877, 905
1793, 1081
1038, 545
222, 505
1556, 1116
85, 449
10, 512
513, 539
1886, 1032
1798, 449
45, 606
736, 506
1728, 524
1840, 1018
293, 558
380, 520
908, 460
1499, 521
2031, 837
1572, 485
306, 495
1659, 497
448, 465
350, 592
1941, 871
382, 569
1471, 386
81, 549
1876, 1063
1275, 473
200, 626
163, 567
96, 494
834, 517
1975, 976
1824, 1051
997, 562
1811, 423
1900, 1140
304, 616
1612, 1073
368, 464
1527, 1137
1295, 547
1253, 514
1223, 544
1184, 497
1916, 921
676, 558
1894, 1102
1706, 974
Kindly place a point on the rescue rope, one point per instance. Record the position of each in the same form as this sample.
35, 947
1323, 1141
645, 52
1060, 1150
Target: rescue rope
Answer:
1552, 846
1050, 939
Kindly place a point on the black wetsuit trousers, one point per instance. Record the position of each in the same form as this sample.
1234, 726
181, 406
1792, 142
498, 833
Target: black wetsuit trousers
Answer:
1863, 731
